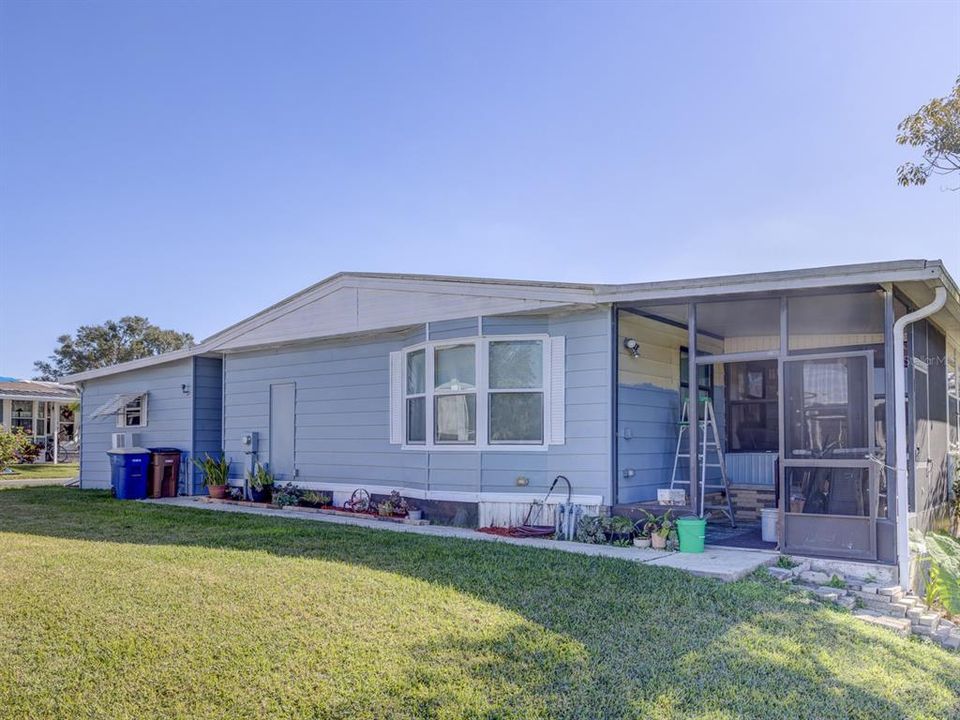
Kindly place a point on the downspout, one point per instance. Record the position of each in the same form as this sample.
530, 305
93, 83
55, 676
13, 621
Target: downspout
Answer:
900, 409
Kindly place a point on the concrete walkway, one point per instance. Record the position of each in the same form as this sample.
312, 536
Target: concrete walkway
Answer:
725, 564
7, 481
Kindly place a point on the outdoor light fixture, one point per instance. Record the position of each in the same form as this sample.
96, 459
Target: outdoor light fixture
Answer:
632, 346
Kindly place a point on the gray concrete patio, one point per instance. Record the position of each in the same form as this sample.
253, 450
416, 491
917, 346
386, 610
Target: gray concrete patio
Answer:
725, 564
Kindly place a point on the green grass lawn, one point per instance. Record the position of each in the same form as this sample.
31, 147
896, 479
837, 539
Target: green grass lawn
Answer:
43, 470
114, 609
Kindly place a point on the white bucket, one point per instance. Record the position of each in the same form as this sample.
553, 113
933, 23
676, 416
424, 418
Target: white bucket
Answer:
768, 524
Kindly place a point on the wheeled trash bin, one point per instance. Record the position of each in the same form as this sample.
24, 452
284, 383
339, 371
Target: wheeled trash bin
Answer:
164, 472
128, 472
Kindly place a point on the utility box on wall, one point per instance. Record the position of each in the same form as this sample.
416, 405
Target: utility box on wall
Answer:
248, 441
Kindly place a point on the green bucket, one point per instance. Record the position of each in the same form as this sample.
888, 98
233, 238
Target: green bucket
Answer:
691, 532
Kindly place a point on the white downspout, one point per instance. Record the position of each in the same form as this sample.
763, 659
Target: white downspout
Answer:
900, 422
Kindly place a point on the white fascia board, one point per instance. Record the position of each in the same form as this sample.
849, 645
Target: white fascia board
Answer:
776, 282
134, 364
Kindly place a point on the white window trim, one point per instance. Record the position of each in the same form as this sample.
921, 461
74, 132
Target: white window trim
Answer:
481, 349
122, 415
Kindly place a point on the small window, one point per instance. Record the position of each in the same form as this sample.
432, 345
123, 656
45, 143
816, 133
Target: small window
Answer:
21, 415
134, 413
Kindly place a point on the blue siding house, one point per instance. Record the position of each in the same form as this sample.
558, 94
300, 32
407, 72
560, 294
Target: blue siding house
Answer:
471, 395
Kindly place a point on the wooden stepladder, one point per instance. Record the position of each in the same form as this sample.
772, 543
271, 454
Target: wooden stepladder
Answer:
709, 455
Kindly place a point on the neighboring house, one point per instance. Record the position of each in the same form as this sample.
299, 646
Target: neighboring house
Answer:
473, 394
44, 411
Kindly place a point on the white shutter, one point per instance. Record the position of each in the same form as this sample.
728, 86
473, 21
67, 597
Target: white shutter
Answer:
558, 384
396, 398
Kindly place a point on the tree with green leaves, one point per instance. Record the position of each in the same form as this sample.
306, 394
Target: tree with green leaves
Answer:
935, 127
115, 341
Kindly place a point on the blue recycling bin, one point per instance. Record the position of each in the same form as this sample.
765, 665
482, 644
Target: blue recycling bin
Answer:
128, 472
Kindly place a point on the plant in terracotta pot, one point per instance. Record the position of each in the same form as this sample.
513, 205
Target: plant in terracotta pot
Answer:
664, 526
261, 482
215, 475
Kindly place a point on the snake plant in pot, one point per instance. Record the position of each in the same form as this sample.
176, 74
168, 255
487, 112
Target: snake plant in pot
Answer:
215, 474
261, 483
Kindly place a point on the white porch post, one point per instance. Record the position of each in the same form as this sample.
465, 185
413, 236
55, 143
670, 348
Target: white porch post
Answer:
56, 432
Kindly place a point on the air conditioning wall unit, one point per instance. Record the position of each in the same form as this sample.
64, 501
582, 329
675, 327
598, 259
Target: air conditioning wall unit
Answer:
119, 441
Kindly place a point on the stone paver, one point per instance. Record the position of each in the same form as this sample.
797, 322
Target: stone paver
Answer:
901, 627
725, 564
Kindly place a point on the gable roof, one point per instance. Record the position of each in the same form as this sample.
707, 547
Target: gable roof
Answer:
351, 303
37, 390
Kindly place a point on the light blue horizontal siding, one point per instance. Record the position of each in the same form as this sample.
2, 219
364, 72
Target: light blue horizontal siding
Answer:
459, 328
342, 422
516, 325
649, 415
169, 415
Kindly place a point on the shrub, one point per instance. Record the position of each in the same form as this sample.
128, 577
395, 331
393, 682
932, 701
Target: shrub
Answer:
590, 530
943, 583
288, 494
12, 446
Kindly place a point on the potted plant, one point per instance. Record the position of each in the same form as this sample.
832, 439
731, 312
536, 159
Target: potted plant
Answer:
618, 529
664, 526
215, 475
414, 513
261, 484
286, 495
644, 529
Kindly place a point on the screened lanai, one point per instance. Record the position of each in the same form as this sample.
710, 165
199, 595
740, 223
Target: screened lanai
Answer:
792, 388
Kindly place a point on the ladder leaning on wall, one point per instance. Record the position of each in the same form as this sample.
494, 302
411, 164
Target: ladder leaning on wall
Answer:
709, 444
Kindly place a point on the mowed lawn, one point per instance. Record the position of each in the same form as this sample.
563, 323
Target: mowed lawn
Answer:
114, 609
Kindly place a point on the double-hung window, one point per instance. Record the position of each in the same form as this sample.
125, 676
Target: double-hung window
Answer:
455, 394
516, 391
496, 393
133, 413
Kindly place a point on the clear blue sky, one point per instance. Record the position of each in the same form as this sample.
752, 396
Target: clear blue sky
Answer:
196, 161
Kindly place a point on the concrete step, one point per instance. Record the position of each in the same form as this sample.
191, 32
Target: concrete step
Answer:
897, 625
895, 610
928, 622
892, 591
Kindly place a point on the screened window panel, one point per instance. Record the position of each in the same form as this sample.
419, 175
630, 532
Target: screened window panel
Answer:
826, 408
817, 322
516, 364
742, 325
455, 368
829, 491
516, 417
